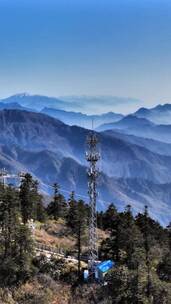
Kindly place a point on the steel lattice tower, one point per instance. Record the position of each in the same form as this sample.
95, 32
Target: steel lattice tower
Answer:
92, 156
5, 175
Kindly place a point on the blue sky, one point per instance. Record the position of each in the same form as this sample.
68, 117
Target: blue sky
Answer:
93, 47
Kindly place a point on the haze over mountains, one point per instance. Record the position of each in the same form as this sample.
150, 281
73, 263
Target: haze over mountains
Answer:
84, 120
35, 102
140, 127
136, 153
95, 104
85, 104
60, 109
160, 114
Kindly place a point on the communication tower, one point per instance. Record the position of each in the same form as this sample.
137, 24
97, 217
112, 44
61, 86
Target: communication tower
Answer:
5, 175
92, 156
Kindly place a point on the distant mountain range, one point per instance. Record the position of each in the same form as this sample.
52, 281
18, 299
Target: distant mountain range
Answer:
84, 104
127, 123
36, 102
53, 151
95, 104
72, 109
86, 121
46, 137
151, 144
140, 127
160, 114
12, 105
58, 109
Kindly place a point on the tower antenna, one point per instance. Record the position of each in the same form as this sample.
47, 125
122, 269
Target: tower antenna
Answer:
92, 156
92, 124
5, 175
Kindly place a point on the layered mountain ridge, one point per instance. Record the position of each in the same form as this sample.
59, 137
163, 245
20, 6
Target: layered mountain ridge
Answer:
160, 114
84, 120
140, 127
46, 137
53, 151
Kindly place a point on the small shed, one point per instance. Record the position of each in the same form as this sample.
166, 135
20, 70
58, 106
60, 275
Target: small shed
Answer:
103, 268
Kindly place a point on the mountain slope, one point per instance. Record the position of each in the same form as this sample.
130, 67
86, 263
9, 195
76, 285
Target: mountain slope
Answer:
12, 106
57, 108
141, 127
83, 120
151, 144
85, 104
36, 102
160, 114
71, 175
127, 123
53, 151
37, 132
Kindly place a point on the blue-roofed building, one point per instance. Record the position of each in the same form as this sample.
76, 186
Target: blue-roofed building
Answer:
103, 268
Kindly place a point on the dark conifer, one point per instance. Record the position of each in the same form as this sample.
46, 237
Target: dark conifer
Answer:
58, 207
29, 198
71, 219
16, 248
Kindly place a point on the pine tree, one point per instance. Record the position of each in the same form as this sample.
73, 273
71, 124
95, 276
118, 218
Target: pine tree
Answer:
16, 249
125, 242
77, 220
169, 237
29, 198
144, 223
109, 216
80, 226
100, 217
9, 210
23, 251
131, 240
164, 268
72, 212
110, 248
122, 286
58, 207
41, 214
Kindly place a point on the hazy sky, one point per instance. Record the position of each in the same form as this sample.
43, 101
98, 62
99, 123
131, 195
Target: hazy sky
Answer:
64, 47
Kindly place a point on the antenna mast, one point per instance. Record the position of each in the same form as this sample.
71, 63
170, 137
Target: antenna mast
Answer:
5, 175
92, 156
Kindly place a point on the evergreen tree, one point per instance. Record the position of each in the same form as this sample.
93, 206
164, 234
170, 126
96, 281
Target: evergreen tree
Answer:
169, 237
125, 242
122, 286
110, 247
9, 216
16, 248
41, 214
77, 221
164, 268
71, 219
100, 217
80, 226
58, 207
109, 217
131, 240
23, 252
144, 223
29, 198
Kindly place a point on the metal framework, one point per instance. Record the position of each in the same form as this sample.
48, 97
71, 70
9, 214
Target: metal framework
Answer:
92, 156
5, 175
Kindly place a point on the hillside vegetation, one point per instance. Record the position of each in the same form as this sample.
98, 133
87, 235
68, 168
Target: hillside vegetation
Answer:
139, 247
